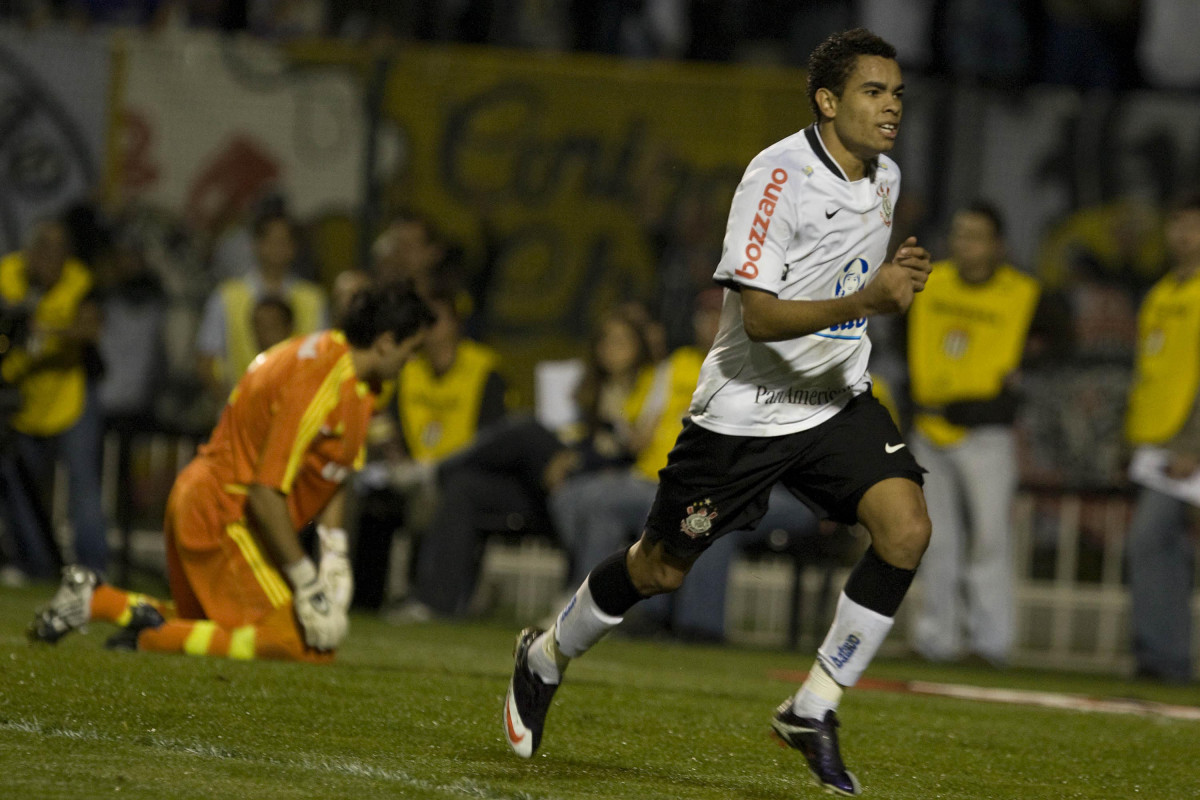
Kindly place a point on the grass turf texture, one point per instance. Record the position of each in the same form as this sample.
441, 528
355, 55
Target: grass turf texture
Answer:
415, 713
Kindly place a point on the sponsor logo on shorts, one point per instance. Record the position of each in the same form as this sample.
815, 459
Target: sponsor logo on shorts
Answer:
699, 520
845, 650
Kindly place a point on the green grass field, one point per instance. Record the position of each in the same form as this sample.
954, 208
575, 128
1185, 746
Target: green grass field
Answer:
415, 713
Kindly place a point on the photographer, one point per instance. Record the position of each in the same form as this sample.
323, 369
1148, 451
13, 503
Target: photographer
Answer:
57, 418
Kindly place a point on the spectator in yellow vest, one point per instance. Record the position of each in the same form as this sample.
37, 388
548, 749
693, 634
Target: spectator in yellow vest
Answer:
444, 396
58, 417
1163, 423
967, 333
225, 343
512, 468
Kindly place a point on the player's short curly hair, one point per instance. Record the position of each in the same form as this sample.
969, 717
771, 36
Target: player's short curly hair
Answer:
832, 61
391, 308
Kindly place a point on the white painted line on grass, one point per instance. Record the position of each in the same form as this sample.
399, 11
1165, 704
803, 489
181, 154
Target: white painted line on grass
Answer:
1074, 702
464, 787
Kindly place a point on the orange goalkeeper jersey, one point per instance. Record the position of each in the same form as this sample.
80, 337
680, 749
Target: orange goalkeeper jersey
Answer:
297, 422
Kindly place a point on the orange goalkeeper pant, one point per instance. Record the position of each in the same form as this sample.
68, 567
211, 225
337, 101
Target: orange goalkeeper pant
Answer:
229, 600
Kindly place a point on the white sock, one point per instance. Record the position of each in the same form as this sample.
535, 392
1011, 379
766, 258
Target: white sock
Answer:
579, 626
819, 694
853, 640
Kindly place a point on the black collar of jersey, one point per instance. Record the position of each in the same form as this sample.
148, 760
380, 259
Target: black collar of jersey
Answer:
818, 147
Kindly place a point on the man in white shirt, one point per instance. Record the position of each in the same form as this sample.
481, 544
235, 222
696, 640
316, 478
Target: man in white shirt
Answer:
783, 398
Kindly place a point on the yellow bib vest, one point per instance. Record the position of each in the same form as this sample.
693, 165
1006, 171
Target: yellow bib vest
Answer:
238, 298
1167, 375
51, 399
684, 371
439, 415
964, 339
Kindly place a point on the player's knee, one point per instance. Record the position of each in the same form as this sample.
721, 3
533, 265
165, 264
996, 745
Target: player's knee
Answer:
914, 535
653, 571
904, 540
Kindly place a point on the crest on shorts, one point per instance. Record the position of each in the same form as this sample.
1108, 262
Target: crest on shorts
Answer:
699, 520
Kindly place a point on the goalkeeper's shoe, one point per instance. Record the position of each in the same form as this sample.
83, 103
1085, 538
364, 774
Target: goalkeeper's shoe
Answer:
527, 701
141, 616
817, 739
69, 609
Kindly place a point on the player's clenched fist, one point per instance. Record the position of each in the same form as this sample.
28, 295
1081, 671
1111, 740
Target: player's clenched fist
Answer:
916, 260
324, 623
891, 291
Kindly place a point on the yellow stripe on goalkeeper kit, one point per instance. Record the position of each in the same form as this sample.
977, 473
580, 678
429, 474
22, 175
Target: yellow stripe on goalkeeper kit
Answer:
323, 402
267, 576
200, 637
241, 643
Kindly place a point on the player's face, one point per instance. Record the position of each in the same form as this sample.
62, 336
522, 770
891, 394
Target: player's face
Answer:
1183, 237
866, 117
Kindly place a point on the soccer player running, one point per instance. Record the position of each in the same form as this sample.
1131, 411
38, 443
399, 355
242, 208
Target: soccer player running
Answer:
291, 433
784, 396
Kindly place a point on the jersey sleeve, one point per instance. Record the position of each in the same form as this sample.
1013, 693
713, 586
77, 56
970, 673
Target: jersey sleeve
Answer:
762, 220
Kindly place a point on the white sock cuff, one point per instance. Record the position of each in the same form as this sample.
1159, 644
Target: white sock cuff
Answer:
853, 640
581, 624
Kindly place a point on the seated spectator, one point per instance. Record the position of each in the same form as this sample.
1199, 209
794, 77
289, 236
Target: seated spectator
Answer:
225, 343
444, 396
513, 467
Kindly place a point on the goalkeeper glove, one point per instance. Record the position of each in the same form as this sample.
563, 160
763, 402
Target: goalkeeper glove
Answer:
334, 569
324, 624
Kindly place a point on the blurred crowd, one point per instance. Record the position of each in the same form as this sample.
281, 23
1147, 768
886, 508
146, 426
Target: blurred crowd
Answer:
1111, 44
123, 321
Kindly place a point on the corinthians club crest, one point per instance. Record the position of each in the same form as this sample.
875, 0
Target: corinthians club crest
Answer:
885, 191
698, 523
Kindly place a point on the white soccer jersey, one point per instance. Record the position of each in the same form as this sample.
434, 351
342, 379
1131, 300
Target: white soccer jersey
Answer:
801, 231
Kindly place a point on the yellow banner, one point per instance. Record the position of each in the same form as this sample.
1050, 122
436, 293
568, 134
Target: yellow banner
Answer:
562, 176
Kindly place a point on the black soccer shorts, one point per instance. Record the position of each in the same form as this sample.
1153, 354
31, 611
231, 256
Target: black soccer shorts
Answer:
714, 484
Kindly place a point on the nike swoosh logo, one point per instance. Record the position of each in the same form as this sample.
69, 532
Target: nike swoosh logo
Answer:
513, 737
829, 214
891, 448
